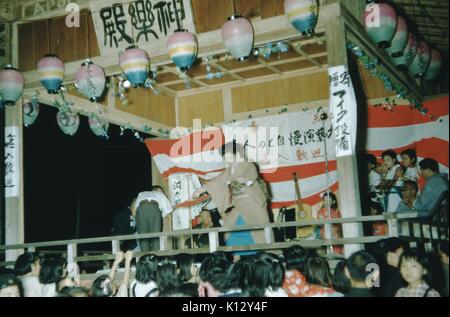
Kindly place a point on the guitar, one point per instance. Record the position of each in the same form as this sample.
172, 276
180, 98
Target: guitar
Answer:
303, 212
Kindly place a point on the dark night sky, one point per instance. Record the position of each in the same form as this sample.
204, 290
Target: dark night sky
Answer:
105, 174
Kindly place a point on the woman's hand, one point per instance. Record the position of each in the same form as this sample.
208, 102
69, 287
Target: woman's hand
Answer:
119, 257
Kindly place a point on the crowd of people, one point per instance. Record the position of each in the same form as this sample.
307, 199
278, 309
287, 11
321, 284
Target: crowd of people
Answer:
387, 269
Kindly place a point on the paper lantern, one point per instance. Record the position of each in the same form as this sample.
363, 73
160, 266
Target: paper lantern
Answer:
135, 64
68, 122
302, 14
380, 21
90, 80
30, 113
98, 128
183, 48
238, 37
435, 65
51, 73
11, 85
421, 61
410, 51
400, 39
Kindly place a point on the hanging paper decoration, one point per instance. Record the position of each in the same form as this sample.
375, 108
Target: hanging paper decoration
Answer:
11, 85
380, 21
30, 112
238, 37
435, 65
51, 73
98, 127
183, 48
135, 64
269, 49
410, 51
68, 122
302, 14
420, 63
90, 80
400, 39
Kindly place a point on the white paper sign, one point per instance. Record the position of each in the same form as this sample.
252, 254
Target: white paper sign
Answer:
145, 23
11, 162
343, 110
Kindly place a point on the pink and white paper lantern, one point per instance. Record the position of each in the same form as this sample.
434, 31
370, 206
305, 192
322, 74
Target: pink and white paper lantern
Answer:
90, 80
238, 37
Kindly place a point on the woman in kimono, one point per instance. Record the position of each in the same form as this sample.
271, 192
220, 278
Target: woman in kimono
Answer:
240, 196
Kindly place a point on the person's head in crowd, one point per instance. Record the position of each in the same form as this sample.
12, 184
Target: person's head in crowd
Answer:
409, 190
103, 286
360, 269
267, 275
428, 167
375, 208
187, 268
389, 159
371, 162
166, 276
74, 291
205, 219
295, 258
239, 274
415, 268
146, 269
340, 282
213, 274
409, 158
9, 286
133, 207
394, 248
27, 264
185, 290
53, 269
318, 272
443, 251
329, 199
233, 152
157, 188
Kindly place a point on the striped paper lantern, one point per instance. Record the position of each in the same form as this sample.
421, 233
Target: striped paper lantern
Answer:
421, 61
410, 51
400, 39
380, 21
238, 37
135, 64
11, 85
183, 48
435, 65
68, 122
90, 80
302, 14
51, 73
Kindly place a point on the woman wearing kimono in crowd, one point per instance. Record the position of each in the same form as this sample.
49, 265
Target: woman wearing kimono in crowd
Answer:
240, 196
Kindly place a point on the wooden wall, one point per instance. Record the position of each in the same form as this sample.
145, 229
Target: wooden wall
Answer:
208, 107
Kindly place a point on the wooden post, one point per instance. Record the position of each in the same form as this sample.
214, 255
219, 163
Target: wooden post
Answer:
115, 244
347, 170
213, 241
72, 266
163, 243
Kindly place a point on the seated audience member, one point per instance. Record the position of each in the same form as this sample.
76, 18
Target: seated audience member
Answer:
266, 277
409, 190
409, 160
144, 284
436, 185
238, 276
27, 268
414, 267
205, 222
318, 277
166, 276
125, 224
391, 182
295, 258
390, 278
73, 291
361, 279
151, 208
103, 285
330, 202
340, 282
374, 175
187, 269
443, 253
53, 271
213, 274
379, 228
9, 286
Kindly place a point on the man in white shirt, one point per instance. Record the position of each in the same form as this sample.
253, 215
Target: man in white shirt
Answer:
150, 208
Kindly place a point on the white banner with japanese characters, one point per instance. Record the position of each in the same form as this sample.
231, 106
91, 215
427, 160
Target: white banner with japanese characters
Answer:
145, 23
343, 110
11, 162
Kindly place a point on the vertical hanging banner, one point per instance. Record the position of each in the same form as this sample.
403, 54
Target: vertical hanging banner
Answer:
145, 23
343, 110
11, 162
